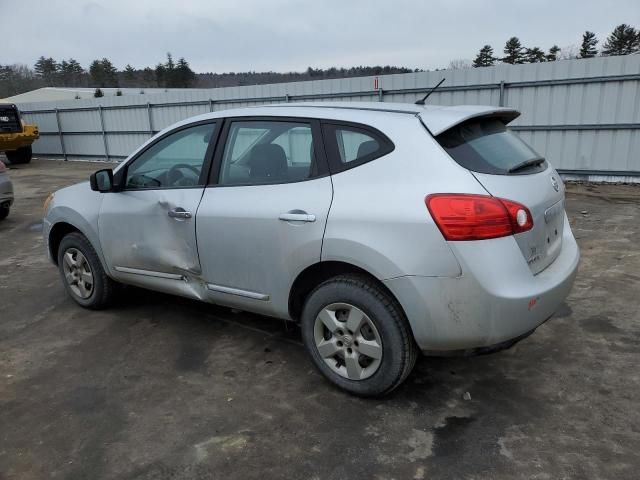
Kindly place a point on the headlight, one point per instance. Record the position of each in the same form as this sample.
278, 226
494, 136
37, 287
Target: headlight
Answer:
45, 207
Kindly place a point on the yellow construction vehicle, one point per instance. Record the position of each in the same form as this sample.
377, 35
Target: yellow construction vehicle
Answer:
16, 137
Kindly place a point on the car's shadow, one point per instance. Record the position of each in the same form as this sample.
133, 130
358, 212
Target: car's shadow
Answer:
431, 373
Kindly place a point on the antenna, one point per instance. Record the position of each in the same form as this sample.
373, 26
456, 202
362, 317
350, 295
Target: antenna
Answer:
422, 100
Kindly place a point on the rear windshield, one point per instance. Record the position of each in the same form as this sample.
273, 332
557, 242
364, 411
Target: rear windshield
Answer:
486, 146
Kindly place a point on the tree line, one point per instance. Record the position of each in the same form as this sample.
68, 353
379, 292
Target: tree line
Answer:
49, 72
623, 40
102, 73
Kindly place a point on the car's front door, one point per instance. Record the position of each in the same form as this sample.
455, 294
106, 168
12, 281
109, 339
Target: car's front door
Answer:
263, 220
147, 229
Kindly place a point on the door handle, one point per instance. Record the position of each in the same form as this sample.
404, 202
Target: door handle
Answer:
179, 212
298, 216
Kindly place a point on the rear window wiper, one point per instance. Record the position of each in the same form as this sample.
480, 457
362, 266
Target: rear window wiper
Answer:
527, 163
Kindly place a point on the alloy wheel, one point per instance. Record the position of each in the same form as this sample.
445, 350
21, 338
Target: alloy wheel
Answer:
348, 341
77, 273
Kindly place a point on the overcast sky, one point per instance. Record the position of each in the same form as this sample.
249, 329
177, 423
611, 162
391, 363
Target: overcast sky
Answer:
286, 35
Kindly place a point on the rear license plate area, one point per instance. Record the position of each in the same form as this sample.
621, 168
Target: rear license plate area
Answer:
554, 222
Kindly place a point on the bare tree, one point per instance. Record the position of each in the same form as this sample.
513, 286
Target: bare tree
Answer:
569, 52
460, 63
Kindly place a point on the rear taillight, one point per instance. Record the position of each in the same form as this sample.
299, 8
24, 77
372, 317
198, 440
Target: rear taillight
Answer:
477, 217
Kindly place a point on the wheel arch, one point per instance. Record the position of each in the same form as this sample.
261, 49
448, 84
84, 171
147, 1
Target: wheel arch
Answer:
315, 274
56, 234
62, 228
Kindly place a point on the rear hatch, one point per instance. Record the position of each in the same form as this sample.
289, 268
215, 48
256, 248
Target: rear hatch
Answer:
509, 168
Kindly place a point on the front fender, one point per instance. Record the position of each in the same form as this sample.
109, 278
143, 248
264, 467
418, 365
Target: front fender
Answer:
79, 207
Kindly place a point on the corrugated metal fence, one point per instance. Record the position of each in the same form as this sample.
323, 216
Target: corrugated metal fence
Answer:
583, 115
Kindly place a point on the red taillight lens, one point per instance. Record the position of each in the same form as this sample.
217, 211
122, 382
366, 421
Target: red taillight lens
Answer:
477, 217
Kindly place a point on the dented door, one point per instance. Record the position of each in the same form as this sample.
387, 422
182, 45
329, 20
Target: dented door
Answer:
139, 232
147, 228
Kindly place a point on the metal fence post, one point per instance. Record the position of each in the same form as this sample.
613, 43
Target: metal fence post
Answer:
150, 119
502, 87
64, 151
380, 95
286, 98
104, 134
211, 105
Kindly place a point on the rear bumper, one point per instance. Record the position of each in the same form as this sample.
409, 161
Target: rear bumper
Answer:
495, 300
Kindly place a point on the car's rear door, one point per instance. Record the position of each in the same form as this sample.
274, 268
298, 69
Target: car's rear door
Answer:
262, 219
147, 229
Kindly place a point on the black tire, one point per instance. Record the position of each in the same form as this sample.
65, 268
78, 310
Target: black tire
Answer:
4, 211
103, 289
399, 351
20, 156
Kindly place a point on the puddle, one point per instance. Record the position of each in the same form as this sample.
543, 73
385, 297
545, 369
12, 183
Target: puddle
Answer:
35, 227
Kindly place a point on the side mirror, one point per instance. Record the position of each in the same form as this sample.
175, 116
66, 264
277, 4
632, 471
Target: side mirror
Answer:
102, 180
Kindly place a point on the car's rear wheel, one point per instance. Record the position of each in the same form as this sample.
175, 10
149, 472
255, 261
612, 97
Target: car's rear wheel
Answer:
358, 336
84, 278
20, 156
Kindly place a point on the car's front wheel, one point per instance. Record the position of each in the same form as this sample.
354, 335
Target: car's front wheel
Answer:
84, 278
358, 336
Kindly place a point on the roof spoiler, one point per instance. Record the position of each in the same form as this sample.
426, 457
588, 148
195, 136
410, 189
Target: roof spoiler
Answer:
441, 120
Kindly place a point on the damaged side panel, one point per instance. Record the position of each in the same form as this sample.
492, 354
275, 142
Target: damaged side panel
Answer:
146, 246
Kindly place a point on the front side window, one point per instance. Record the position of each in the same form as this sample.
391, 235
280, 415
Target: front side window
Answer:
263, 152
176, 161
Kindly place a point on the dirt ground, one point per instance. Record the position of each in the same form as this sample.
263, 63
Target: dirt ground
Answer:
161, 387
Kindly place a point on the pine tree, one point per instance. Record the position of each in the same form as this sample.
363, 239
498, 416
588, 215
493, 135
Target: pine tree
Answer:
75, 67
485, 57
47, 69
160, 74
70, 73
513, 51
103, 73
64, 73
534, 55
623, 40
184, 75
98, 93
165, 72
110, 72
173, 75
129, 72
588, 48
552, 56
148, 77
170, 65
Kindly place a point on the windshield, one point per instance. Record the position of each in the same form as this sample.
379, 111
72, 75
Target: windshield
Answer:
486, 146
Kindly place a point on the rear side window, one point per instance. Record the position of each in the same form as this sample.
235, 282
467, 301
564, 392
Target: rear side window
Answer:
350, 145
487, 146
268, 152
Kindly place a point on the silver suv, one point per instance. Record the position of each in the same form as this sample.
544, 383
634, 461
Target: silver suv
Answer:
383, 229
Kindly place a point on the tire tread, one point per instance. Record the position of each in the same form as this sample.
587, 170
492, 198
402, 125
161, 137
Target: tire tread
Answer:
410, 349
